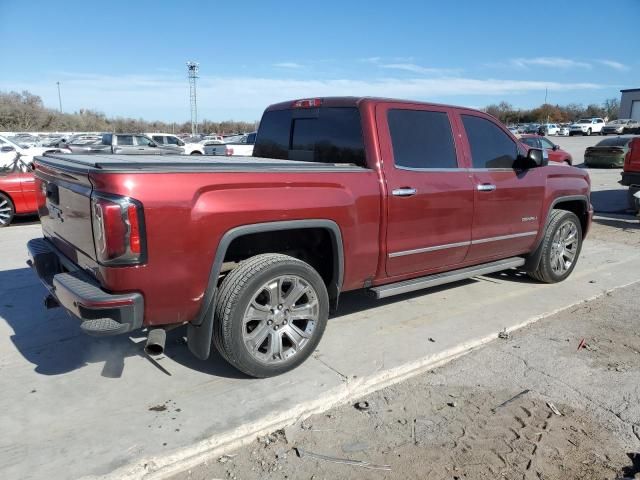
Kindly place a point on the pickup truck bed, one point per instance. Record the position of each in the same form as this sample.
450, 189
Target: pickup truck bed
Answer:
251, 253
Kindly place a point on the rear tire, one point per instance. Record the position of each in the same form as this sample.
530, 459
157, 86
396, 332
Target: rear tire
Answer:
7, 210
561, 247
259, 327
195, 153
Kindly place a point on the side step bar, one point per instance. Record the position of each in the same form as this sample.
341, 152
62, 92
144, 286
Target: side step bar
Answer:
405, 286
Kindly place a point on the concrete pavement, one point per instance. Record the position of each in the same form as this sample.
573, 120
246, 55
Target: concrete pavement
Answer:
76, 406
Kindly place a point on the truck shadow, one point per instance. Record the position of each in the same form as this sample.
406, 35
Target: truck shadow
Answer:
52, 341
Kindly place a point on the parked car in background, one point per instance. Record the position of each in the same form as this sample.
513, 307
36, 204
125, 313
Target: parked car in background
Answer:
631, 173
586, 126
122, 143
9, 149
513, 129
17, 189
563, 131
169, 140
239, 145
548, 129
532, 128
556, 154
621, 126
608, 153
253, 270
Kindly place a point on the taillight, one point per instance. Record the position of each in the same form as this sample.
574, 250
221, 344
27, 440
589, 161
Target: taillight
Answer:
228, 151
307, 103
118, 229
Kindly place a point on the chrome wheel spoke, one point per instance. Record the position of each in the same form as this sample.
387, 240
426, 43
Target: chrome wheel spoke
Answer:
295, 293
564, 247
275, 345
256, 338
275, 291
569, 254
296, 335
304, 312
257, 312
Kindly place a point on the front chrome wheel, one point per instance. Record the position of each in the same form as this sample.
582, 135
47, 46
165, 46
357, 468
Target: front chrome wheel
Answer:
280, 319
564, 247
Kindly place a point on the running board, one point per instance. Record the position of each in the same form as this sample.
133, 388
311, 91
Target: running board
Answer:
398, 288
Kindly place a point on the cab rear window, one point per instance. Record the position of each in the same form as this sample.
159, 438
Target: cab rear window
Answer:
323, 135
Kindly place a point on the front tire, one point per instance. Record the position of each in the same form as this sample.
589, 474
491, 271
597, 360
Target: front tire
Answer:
588, 132
7, 210
195, 152
270, 314
561, 247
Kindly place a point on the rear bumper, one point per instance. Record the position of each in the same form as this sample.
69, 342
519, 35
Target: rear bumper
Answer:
630, 178
101, 313
604, 161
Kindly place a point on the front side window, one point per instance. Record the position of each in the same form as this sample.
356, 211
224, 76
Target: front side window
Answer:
159, 139
421, 139
143, 141
107, 138
546, 143
490, 146
172, 140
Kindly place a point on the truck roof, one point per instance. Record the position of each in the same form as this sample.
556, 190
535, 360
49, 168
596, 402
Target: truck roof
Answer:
353, 102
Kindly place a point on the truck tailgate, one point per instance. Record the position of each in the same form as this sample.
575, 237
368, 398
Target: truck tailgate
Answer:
64, 207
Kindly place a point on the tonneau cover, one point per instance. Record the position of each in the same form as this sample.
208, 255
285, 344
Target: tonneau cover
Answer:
170, 163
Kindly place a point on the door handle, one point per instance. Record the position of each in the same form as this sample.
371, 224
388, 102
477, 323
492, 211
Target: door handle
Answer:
404, 192
486, 187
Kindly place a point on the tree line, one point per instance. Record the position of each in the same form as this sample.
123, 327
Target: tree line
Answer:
507, 114
24, 112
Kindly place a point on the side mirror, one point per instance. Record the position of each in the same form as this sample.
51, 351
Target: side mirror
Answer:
555, 147
181, 143
151, 144
7, 149
536, 157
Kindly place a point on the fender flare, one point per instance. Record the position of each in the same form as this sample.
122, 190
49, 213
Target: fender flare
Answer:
533, 259
200, 330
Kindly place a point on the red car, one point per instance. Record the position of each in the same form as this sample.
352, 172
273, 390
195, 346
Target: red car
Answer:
250, 254
17, 191
556, 154
631, 173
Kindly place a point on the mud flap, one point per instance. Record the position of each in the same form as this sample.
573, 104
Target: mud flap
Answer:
199, 336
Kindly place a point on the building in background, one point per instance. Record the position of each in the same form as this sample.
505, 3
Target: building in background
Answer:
630, 104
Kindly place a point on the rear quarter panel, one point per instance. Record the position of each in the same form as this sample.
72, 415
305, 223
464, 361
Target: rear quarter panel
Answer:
186, 215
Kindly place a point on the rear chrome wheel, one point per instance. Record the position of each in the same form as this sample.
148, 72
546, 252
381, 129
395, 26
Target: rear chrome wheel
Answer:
270, 314
280, 319
7, 210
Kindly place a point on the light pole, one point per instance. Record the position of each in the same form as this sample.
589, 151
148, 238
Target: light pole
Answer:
59, 97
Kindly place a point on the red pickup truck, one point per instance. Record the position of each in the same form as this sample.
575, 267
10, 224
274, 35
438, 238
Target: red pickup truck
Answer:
252, 253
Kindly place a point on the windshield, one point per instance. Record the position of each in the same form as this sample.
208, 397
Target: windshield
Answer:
584, 120
14, 145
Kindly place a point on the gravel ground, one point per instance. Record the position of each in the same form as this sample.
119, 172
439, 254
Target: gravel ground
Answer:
487, 415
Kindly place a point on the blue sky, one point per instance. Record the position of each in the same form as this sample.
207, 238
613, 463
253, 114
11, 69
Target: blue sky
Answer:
128, 58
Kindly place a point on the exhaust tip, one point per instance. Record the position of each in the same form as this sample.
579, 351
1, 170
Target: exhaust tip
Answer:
155, 342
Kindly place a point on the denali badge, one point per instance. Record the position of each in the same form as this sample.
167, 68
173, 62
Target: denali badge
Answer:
529, 219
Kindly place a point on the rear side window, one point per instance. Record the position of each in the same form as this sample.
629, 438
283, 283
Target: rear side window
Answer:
490, 146
532, 142
125, 139
421, 139
323, 135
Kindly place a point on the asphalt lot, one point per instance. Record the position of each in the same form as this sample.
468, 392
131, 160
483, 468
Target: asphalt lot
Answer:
607, 195
76, 406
